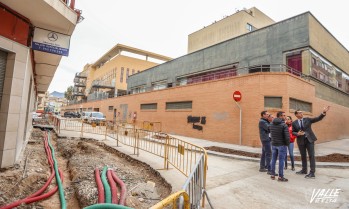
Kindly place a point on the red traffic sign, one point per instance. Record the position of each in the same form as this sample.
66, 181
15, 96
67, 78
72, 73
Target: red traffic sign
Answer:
237, 96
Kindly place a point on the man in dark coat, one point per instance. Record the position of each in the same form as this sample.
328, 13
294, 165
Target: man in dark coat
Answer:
305, 139
265, 140
280, 139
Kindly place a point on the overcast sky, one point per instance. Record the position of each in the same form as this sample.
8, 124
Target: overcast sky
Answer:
163, 27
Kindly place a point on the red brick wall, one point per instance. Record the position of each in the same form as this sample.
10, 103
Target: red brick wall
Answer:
214, 100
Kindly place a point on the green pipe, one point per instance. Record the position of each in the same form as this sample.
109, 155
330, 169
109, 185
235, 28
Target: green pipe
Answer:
106, 206
107, 191
58, 178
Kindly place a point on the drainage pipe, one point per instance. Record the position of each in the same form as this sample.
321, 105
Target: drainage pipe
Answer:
106, 206
58, 179
50, 161
99, 186
113, 188
122, 185
106, 186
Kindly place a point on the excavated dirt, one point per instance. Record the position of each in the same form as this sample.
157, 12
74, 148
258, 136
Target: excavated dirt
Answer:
78, 159
336, 157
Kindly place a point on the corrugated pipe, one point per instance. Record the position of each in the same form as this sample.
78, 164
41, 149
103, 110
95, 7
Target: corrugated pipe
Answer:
106, 186
58, 179
100, 187
114, 189
106, 206
122, 185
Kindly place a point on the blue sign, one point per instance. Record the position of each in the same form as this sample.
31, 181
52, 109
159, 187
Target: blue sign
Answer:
51, 42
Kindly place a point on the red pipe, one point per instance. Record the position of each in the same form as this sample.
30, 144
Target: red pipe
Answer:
34, 197
122, 200
50, 161
100, 187
113, 188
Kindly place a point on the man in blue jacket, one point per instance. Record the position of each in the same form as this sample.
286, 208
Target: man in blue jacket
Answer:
265, 140
280, 139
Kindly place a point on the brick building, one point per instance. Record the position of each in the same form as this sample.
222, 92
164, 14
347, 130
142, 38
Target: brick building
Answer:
295, 63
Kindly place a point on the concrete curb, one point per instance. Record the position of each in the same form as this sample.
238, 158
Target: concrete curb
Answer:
318, 164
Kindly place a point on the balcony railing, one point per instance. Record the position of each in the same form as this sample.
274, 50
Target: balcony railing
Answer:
102, 84
80, 75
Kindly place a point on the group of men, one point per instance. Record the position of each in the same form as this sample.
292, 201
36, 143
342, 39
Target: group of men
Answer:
275, 138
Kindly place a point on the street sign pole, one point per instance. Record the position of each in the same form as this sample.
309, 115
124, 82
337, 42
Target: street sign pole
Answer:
237, 97
240, 121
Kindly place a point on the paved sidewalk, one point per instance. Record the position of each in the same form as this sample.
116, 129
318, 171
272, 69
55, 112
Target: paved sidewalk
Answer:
236, 183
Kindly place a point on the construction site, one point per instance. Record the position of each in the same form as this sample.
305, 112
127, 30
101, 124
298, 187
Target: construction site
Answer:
92, 172
138, 129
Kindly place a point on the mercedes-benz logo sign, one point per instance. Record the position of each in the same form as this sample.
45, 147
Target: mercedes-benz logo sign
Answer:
52, 36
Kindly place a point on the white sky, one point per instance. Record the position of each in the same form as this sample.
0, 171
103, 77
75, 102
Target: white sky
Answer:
163, 27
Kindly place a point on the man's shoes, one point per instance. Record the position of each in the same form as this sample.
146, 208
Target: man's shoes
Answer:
301, 172
285, 167
263, 170
270, 173
310, 176
282, 179
272, 177
293, 168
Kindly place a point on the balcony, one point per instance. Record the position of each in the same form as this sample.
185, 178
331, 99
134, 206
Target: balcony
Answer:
80, 75
80, 84
99, 84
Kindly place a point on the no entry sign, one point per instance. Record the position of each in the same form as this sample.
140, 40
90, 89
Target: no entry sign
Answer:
237, 96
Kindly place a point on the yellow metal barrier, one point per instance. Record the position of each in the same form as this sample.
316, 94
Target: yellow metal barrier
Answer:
172, 200
183, 155
93, 128
152, 126
70, 124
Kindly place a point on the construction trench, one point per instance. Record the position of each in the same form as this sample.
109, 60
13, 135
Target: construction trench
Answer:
92, 175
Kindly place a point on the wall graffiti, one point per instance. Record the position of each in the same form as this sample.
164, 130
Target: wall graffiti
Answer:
196, 119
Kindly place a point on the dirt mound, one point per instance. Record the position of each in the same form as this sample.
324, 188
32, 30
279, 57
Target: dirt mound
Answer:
86, 155
336, 157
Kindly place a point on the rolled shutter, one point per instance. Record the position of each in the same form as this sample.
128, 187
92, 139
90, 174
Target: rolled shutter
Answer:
3, 60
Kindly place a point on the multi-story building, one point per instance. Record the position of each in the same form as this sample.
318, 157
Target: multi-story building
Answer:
242, 22
106, 78
33, 38
292, 64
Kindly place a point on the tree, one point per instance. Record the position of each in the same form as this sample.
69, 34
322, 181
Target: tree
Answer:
69, 93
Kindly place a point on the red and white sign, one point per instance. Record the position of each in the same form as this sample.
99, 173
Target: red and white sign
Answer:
237, 96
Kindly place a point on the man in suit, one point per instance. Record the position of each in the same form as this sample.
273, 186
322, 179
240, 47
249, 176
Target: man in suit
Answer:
305, 139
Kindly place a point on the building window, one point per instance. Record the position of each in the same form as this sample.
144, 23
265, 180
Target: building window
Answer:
122, 75
127, 73
151, 106
249, 27
160, 85
186, 105
296, 104
110, 108
273, 102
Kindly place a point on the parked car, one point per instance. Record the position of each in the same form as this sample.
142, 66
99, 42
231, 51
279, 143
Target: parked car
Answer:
84, 116
36, 117
71, 115
96, 117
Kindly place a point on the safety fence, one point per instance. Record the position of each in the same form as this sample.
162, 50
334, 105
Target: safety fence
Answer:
187, 158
